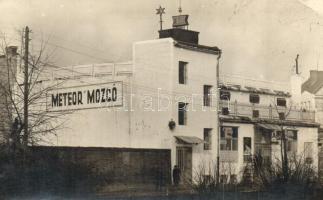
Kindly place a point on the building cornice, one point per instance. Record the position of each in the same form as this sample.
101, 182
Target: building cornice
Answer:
197, 47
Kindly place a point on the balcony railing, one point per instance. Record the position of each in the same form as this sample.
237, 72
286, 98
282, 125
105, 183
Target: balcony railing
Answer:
265, 112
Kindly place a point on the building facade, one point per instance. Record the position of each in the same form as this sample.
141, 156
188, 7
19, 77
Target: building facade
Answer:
312, 98
253, 117
164, 108
155, 112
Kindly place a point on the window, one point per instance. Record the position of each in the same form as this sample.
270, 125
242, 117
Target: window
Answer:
281, 115
223, 178
254, 98
207, 95
255, 113
291, 143
182, 115
229, 139
207, 139
225, 95
281, 102
182, 72
225, 111
308, 151
247, 149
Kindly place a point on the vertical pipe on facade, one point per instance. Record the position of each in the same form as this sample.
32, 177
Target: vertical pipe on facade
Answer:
114, 71
218, 116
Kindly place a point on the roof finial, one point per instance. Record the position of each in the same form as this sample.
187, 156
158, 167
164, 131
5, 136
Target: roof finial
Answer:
160, 12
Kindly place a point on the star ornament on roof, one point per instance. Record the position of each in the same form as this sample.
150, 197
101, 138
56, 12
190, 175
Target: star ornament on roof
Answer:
160, 11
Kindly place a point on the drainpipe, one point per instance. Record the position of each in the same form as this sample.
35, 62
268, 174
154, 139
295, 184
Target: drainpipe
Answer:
218, 116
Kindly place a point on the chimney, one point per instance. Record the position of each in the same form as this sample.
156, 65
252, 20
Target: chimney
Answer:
180, 31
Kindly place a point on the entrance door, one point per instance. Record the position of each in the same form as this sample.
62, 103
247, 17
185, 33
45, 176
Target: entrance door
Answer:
184, 162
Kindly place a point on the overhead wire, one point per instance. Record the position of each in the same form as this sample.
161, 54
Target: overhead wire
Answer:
198, 79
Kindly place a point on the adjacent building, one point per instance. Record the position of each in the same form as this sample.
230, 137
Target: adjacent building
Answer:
312, 98
253, 116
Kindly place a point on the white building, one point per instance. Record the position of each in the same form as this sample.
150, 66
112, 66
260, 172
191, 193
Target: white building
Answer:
163, 112
161, 109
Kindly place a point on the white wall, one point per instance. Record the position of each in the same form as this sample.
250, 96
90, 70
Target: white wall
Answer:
153, 69
201, 70
156, 66
98, 127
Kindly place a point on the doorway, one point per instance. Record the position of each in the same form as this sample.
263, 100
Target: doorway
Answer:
184, 162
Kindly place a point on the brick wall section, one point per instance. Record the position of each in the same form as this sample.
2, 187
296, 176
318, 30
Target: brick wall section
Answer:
4, 120
117, 165
9, 59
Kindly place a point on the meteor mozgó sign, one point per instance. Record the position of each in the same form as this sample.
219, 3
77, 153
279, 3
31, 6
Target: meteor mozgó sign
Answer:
85, 96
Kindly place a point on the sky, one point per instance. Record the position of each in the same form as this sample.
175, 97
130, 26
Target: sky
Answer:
259, 38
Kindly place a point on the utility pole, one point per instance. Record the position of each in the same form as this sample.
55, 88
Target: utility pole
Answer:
218, 116
296, 64
26, 88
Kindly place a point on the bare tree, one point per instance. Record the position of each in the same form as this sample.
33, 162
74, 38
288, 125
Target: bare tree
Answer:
40, 121
282, 116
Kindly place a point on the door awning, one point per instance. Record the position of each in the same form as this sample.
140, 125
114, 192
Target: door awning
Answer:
269, 126
189, 140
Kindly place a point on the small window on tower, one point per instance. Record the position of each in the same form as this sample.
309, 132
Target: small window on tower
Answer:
182, 72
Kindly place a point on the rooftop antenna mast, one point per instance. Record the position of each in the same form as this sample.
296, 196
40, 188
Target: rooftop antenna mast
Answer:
296, 62
180, 21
